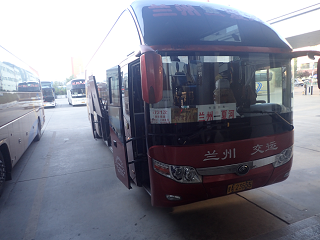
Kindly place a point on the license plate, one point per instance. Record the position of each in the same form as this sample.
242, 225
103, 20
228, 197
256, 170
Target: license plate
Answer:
241, 186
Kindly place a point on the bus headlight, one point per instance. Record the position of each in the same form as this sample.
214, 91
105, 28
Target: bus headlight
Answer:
182, 174
283, 157
177, 172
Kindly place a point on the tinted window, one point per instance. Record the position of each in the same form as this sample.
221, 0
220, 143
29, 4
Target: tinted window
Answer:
29, 87
204, 24
47, 92
13, 72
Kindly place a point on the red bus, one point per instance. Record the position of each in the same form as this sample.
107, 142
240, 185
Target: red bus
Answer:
189, 124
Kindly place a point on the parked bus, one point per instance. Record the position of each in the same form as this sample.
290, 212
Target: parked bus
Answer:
48, 84
190, 125
21, 111
76, 92
49, 99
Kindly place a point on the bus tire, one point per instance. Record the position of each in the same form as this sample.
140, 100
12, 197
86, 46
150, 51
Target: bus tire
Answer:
3, 173
38, 136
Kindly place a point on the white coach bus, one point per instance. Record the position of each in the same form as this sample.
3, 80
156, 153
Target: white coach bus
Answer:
76, 92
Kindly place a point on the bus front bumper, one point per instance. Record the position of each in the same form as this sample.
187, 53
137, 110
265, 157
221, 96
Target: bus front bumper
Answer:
166, 192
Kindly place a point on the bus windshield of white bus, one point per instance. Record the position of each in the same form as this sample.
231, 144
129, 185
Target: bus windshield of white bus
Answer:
77, 88
207, 88
78, 92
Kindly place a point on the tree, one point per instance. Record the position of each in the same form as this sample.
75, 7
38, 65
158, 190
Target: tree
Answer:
302, 74
69, 79
59, 88
295, 67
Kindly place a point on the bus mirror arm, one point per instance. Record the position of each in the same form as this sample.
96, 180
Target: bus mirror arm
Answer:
142, 50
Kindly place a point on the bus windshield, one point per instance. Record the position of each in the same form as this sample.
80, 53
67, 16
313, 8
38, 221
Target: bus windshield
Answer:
46, 84
207, 88
29, 87
47, 92
78, 92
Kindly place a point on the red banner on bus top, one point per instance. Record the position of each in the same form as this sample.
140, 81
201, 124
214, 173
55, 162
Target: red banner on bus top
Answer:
29, 85
188, 10
78, 82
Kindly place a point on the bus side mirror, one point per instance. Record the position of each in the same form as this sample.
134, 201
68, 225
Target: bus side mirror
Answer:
151, 77
318, 71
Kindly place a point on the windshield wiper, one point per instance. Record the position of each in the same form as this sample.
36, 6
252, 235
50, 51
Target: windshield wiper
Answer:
274, 114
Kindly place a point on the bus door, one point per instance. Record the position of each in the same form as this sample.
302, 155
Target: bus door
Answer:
97, 116
134, 125
264, 84
118, 141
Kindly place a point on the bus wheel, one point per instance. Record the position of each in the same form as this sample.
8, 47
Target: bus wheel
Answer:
2, 173
38, 136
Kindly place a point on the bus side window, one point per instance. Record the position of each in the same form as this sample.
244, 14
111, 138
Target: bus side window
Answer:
114, 108
110, 91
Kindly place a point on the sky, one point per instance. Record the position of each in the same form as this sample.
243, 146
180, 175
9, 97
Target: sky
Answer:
46, 34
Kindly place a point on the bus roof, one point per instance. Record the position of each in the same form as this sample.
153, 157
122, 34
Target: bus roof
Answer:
77, 79
202, 23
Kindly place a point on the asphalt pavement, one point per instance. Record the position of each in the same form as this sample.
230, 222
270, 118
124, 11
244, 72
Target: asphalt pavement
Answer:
65, 187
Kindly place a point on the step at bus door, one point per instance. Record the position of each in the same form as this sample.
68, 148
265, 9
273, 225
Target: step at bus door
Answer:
116, 125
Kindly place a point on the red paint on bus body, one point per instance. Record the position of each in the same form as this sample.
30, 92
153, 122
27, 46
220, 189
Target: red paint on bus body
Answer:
215, 186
